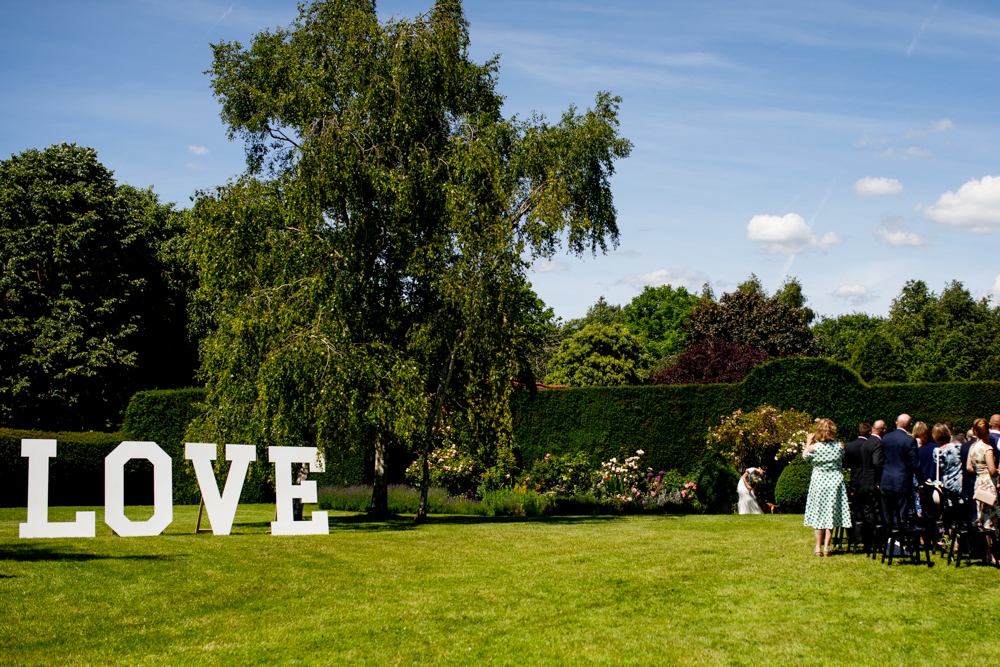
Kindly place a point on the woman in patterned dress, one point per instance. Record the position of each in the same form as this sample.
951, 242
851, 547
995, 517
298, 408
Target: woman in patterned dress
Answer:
948, 458
981, 462
826, 504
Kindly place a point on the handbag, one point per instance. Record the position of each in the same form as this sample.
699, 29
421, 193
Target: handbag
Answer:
986, 494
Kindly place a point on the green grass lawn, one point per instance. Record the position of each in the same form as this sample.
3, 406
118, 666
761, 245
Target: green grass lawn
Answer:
649, 590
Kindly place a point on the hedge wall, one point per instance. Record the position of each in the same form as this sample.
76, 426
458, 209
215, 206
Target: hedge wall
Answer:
162, 416
669, 422
76, 474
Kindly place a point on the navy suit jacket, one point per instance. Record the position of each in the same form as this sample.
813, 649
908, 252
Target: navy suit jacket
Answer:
968, 478
928, 466
901, 461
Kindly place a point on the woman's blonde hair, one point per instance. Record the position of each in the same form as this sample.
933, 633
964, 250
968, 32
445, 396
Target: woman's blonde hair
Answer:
919, 429
826, 431
941, 434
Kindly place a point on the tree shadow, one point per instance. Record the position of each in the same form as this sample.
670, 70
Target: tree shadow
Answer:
405, 522
32, 553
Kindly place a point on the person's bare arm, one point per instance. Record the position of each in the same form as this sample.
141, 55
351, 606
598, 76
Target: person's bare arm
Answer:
810, 447
990, 463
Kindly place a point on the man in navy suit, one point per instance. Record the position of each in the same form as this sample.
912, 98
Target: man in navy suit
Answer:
901, 462
995, 435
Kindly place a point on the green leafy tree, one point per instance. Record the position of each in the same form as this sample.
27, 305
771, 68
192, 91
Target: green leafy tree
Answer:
748, 316
373, 290
659, 315
790, 293
601, 312
840, 337
600, 355
94, 281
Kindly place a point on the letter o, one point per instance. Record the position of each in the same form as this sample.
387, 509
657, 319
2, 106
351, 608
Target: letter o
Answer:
114, 489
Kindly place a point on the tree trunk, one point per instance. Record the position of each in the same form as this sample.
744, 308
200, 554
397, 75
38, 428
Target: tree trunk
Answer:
425, 483
379, 508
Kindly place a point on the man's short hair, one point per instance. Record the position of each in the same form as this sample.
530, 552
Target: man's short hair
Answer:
864, 429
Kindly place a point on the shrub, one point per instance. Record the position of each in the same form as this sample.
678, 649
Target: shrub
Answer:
709, 361
76, 474
793, 485
753, 437
561, 475
448, 467
402, 500
717, 482
517, 502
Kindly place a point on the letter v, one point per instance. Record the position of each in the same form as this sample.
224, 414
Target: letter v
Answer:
221, 509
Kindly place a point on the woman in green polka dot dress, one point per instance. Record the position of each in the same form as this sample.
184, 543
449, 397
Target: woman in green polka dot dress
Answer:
826, 504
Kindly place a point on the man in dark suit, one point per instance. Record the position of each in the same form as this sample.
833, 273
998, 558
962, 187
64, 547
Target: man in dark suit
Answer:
995, 435
872, 461
901, 462
873, 458
853, 459
853, 462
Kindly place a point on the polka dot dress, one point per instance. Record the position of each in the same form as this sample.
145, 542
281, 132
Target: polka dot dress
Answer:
826, 505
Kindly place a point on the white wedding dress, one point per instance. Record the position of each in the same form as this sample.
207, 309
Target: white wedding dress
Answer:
747, 503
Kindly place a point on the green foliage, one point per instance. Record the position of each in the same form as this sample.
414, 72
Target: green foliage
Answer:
374, 290
790, 293
163, 417
561, 475
658, 315
749, 317
402, 500
76, 474
792, 489
670, 422
456, 471
601, 312
94, 286
600, 355
926, 338
751, 438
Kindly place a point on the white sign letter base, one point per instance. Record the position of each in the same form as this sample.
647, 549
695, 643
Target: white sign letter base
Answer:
285, 491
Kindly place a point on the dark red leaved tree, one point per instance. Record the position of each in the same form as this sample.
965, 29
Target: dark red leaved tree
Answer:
711, 360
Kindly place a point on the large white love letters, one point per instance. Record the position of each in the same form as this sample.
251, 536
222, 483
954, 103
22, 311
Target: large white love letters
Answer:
38, 525
285, 491
221, 509
114, 489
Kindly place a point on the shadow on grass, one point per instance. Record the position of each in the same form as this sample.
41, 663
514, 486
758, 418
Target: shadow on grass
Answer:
31, 553
405, 522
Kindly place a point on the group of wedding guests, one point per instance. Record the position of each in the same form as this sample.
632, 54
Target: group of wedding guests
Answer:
888, 470
891, 468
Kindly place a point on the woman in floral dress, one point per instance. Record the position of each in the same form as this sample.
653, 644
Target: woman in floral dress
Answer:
981, 462
826, 504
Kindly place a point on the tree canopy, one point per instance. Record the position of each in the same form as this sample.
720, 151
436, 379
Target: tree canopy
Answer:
600, 355
367, 276
927, 337
659, 314
94, 285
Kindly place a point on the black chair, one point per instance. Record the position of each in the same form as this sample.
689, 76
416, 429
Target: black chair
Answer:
905, 528
968, 539
875, 527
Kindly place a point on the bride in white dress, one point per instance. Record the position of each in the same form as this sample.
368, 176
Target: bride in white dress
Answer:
748, 502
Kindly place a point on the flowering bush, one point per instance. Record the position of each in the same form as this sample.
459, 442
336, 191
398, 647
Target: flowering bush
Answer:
450, 468
749, 438
622, 484
561, 475
792, 447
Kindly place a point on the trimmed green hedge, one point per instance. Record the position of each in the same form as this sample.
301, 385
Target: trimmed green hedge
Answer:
162, 416
76, 474
670, 422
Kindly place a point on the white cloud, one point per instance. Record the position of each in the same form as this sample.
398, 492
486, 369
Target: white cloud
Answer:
551, 266
870, 186
976, 206
942, 125
689, 279
786, 234
856, 294
899, 237
198, 150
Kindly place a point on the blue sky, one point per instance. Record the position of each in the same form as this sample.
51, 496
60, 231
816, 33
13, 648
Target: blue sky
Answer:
853, 145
